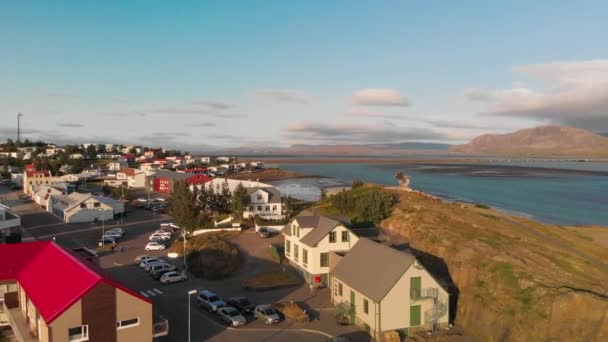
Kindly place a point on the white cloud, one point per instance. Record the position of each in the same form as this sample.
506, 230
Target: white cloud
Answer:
379, 97
357, 112
282, 95
574, 94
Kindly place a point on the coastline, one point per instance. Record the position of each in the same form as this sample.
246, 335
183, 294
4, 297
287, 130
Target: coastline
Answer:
271, 174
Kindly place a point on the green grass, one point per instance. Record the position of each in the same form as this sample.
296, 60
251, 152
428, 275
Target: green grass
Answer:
271, 279
526, 298
482, 206
504, 271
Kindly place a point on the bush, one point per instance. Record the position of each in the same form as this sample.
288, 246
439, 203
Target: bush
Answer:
364, 204
276, 252
210, 256
482, 206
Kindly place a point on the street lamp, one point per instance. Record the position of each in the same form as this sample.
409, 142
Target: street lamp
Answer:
190, 293
184, 243
103, 226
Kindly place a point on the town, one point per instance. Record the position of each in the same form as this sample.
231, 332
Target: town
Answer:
174, 247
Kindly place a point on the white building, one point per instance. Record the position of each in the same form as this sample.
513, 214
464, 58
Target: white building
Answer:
309, 240
77, 207
265, 202
8, 219
41, 194
76, 156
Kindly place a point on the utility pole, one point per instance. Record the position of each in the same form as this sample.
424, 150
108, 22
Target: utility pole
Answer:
19, 115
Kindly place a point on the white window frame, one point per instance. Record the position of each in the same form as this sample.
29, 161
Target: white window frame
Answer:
119, 325
85, 334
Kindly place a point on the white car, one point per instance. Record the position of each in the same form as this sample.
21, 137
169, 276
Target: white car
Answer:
140, 258
159, 237
172, 277
162, 232
113, 235
118, 231
155, 246
148, 261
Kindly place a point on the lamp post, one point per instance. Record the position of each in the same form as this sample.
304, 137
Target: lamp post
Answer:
103, 227
184, 253
190, 293
19, 115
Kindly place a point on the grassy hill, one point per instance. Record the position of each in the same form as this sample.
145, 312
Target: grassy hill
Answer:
511, 278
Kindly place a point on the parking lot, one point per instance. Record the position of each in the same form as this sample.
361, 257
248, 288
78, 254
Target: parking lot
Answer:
171, 301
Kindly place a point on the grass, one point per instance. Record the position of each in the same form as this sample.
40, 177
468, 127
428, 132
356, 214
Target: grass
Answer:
526, 298
504, 271
210, 255
271, 279
482, 206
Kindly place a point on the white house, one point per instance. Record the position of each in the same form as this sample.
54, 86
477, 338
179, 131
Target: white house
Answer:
205, 160
42, 194
8, 219
309, 240
136, 178
77, 207
385, 290
264, 202
76, 156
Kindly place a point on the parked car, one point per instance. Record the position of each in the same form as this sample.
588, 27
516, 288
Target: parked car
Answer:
116, 230
149, 261
209, 300
162, 232
267, 313
107, 239
155, 246
141, 258
242, 304
160, 266
149, 265
172, 277
231, 316
113, 235
159, 237
264, 232
157, 274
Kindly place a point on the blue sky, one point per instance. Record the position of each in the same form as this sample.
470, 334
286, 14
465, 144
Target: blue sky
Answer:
194, 74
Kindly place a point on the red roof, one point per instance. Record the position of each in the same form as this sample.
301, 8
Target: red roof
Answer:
30, 167
52, 277
128, 171
43, 173
198, 179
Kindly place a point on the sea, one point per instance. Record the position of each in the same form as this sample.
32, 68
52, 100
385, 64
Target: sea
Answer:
557, 192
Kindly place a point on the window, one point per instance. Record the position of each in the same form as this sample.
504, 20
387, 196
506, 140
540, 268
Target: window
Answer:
324, 259
274, 208
78, 334
293, 229
260, 197
295, 252
259, 208
287, 247
345, 236
267, 208
96, 205
304, 256
365, 306
127, 323
332, 237
340, 289
83, 205
251, 208
298, 232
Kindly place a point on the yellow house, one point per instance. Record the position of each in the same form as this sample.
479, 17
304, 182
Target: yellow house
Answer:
384, 289
31, 178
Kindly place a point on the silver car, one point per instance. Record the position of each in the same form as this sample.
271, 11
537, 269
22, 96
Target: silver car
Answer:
209, 300
231, 316
267, 313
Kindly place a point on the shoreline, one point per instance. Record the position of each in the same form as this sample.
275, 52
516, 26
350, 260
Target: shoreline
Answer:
271, 175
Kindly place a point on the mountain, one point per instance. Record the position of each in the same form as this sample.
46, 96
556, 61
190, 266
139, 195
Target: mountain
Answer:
539, 141
395, 149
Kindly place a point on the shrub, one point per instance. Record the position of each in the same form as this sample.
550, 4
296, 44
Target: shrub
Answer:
210, 256
365, 204
482, 206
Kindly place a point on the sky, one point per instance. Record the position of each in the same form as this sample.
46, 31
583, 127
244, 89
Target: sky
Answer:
200, 75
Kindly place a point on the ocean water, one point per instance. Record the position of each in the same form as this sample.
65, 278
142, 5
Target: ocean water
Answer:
550, 192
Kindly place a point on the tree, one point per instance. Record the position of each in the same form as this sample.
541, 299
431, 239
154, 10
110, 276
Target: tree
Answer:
290, 207
183, 207
240, 200
357, 183
91, 152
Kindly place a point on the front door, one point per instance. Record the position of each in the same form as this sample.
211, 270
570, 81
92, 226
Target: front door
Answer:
414, 315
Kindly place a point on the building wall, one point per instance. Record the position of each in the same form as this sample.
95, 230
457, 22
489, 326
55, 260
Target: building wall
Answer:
99, 312
370, 318
89, 214
395, 306
71, 318
129, 307
29, 182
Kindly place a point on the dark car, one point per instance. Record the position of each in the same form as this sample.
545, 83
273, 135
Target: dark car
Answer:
264, 232
158, 274
242, 304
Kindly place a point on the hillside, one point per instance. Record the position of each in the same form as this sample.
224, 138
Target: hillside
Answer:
539, 141
512, 279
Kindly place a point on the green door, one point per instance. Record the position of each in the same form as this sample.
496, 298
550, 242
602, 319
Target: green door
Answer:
414, 315
352, 306
415, 287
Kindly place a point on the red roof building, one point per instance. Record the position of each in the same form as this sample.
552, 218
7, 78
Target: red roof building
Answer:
198, 179
59, 296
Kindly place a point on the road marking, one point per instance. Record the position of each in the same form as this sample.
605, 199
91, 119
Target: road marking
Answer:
143, 294
150, 293
158, 291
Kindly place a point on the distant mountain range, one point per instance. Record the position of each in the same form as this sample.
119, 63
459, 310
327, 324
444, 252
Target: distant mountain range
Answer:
404, 148
544, 141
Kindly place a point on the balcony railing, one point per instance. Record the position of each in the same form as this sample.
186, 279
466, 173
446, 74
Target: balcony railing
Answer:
160, 326
424, 293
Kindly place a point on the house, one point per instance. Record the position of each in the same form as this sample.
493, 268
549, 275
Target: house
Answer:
115, 166
31, 178
76, 156
163, 181
206, 160
309, 240
42, 194
197, 178
224, 159
16, 155
265, 202
386, 289
8, 219
77, 207
135, 178
51, 294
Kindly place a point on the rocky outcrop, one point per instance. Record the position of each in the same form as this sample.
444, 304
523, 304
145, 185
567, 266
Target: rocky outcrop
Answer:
510, 278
